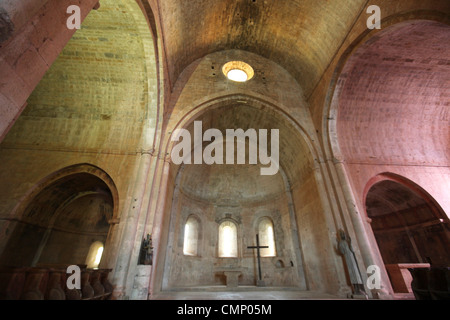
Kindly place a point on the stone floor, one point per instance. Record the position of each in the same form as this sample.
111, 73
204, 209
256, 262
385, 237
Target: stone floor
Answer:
242, 293
253, 293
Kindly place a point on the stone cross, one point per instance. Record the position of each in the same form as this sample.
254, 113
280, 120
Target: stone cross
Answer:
258, 247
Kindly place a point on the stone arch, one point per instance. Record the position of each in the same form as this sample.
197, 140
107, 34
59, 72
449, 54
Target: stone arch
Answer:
436, 208
408, 226
44, 230
365, 36
253, 101
351, 173
64, 172
390, 24
185, 181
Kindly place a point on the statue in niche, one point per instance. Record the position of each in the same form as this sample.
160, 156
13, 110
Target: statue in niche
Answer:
146, 252
345, 248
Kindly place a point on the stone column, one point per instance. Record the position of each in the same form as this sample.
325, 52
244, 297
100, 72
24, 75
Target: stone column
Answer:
136, 285
367, 252
295, 234
159, 221
130, 220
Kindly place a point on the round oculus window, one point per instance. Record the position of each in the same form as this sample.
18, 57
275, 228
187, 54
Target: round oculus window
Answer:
238, 71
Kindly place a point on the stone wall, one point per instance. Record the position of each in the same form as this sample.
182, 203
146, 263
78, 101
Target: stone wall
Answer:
206, 269
96, 105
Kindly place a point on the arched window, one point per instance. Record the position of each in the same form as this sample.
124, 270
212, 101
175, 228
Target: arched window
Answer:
267, 237
228, 240
95, 255
191, 236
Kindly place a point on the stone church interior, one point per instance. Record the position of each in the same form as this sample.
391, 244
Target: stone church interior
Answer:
357, 116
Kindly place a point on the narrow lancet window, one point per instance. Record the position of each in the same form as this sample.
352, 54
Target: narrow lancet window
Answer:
267, 237
95, 255
228, 240
191, 236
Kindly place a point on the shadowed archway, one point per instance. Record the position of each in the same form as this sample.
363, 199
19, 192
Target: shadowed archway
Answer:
407, 224
60, 219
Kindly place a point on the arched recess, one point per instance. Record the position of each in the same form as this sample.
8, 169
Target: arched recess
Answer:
61, 217
240, 192
387, 112
408, 224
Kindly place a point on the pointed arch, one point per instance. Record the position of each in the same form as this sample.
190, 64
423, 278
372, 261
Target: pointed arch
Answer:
60, 216
407, 223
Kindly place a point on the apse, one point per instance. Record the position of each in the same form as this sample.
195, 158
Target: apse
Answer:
218, 209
